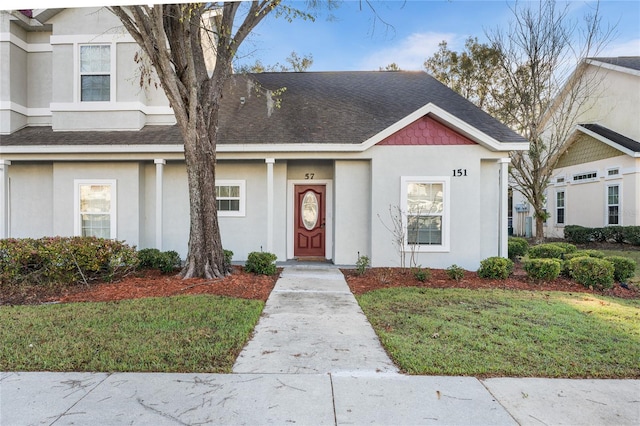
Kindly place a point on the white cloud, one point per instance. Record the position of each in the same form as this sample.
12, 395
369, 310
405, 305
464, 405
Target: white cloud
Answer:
627, 48
409, 53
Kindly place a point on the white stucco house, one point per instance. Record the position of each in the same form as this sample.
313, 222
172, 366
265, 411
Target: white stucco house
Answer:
596, 181
85, 151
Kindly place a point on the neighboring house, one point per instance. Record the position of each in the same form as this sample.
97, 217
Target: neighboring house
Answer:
315, 171
596, 181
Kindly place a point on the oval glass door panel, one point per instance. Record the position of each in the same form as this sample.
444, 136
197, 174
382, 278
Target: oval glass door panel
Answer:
309, 210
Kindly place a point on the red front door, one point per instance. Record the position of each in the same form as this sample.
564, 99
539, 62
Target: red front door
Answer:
309, 228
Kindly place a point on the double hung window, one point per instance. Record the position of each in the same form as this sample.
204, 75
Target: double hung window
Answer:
95, 208
613, 205
560, 208
95, 73
425, 202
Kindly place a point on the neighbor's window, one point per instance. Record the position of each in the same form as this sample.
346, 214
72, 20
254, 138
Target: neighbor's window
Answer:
585, 177
230, 197
613, 205
95, 73
95, 208
560, 204
425, 202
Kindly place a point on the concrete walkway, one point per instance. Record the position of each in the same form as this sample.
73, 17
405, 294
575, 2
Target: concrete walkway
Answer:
313, 360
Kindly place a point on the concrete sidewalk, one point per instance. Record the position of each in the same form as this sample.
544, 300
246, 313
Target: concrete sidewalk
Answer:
313, 360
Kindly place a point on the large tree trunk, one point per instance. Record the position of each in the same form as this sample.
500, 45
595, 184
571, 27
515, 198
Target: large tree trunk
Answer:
206, 256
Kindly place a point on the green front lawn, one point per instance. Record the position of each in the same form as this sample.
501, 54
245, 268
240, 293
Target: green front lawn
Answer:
506, 333
173, 334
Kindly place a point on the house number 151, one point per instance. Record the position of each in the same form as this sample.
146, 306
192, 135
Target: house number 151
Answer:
459, 172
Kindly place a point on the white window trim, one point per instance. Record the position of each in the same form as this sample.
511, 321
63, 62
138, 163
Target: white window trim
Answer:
562, 183
243, 197
616, 176
77, 222
606, 204
563, 207
77, 89
446, 214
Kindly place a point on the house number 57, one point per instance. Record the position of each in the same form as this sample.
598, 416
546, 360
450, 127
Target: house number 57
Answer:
309, 175
459, 172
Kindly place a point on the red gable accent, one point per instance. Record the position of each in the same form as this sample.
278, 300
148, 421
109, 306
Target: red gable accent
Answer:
426, 131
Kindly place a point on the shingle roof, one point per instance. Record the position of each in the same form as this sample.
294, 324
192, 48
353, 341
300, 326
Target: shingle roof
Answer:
613, 136
322, 107
631, 62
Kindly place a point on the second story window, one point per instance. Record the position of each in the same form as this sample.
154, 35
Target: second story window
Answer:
95, 73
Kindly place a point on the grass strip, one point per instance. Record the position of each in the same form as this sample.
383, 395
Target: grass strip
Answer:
506, 333
175, 334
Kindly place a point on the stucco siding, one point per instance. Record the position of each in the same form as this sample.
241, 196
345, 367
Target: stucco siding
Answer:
489, 200
62, 73
86, 20
243, 235
586, 201
175, 208
31, 198
126, 176
18, 63
98, 120
39, 80
464, 203
352, 206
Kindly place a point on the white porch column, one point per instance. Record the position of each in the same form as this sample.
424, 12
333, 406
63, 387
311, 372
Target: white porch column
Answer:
270, 203
503, 224
4, 198
159, 197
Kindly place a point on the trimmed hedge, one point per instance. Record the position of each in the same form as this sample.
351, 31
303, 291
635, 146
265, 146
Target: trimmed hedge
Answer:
495, 268
165, 261
618, 234
518, 247
543, 269
623, 268
592, 272
64, 260
547, 251
261, 263
588, 253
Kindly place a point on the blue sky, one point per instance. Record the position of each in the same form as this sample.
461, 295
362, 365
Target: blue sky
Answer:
354, 40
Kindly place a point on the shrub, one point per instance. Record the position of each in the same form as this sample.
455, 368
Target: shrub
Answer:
228, 256
592, 272
455, 272
619, 234
546, 251
262, 263
149, 258
623, 267
568, 247
58, 260
518, 247
631, 235
422, 274
362, 264
581, 253
166, 261
577, 234
543, 269
495, 268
